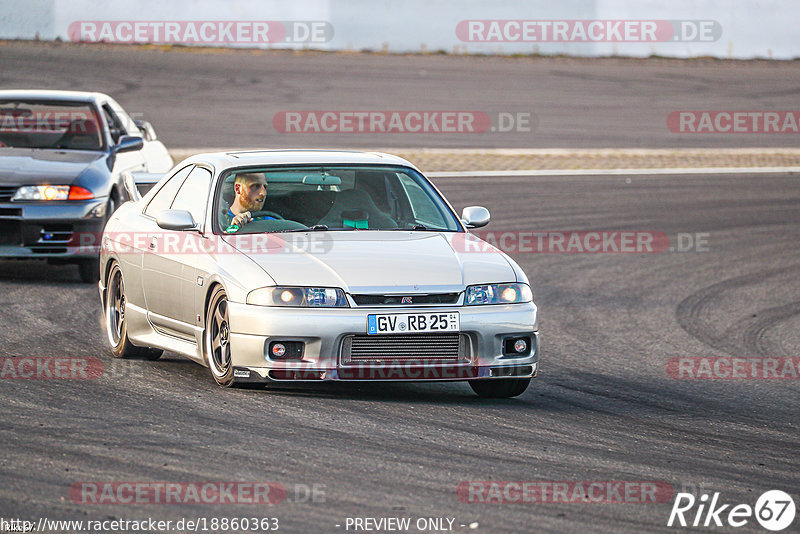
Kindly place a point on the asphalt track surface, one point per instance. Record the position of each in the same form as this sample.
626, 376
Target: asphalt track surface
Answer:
603, 407
220, 98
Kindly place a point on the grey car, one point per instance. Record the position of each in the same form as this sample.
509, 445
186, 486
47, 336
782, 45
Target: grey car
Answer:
353, 267
62, 155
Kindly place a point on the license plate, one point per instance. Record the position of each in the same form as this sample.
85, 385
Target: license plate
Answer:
405, 323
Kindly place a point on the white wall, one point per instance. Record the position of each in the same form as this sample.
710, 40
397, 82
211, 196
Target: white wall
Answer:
749, 29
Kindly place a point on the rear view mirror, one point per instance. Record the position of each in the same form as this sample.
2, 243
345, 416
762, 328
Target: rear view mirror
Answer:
321, 179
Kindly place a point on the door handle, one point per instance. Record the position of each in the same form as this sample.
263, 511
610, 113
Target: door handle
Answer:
153, 243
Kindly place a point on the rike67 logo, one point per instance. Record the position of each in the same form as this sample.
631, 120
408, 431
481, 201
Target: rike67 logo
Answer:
774, 510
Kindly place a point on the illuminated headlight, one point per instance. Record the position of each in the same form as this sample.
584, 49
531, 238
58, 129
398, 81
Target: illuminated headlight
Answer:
298, 297
42, 192
51, 192
498, 294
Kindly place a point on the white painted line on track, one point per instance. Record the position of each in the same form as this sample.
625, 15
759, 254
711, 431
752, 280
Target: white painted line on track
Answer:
614, 172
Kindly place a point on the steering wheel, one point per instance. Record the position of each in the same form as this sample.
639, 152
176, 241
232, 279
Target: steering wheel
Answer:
268, 213
256, 223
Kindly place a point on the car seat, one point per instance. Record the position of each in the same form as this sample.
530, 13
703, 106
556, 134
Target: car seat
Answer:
355, 200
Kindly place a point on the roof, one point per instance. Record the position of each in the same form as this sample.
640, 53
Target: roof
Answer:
44, 94
224, 160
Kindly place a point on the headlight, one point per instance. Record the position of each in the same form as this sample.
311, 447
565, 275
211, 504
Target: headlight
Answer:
52, 192
298, 297
498, 294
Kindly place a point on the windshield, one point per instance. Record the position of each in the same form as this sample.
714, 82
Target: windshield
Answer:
57, 125
330, 198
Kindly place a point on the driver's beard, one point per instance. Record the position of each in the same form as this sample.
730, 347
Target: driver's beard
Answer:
249, 205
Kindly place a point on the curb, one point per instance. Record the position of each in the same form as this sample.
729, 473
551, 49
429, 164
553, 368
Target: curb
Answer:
563, 161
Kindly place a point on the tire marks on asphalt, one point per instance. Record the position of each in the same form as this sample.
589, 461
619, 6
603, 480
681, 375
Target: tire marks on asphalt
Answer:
745, 337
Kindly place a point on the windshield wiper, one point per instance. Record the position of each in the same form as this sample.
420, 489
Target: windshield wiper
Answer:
418, 228
315, 228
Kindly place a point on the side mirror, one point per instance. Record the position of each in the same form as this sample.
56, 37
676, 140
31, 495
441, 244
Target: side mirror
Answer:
128, 143
146, 128
178, 220
130, 187
475, 216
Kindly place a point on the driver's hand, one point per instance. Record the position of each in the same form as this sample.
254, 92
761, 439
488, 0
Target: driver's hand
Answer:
242, 219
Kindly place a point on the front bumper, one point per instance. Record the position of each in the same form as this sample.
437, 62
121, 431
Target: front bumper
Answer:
324, 331
67, 229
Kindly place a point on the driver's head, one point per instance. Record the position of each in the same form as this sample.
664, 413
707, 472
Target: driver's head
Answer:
251, 191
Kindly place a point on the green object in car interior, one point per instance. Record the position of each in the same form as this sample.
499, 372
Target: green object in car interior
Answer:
355, 224
355, 219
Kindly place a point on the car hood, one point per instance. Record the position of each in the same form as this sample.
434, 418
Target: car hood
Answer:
28, 166
376, 261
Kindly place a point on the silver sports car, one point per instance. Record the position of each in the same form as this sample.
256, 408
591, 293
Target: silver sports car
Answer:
306, 265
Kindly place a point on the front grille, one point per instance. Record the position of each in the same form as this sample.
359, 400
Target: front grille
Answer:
410, 300
6, 193
421, 348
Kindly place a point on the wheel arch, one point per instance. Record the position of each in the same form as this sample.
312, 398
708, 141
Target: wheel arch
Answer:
212, 287
105, 271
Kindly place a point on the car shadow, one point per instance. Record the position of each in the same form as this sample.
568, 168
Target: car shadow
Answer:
14, 271
565, 391
198, 378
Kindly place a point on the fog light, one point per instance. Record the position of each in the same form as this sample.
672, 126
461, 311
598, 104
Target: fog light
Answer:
516, 347
284, 350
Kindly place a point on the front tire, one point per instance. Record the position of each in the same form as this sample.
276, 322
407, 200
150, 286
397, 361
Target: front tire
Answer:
116, 325
89, 269
500, 388
217, 339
